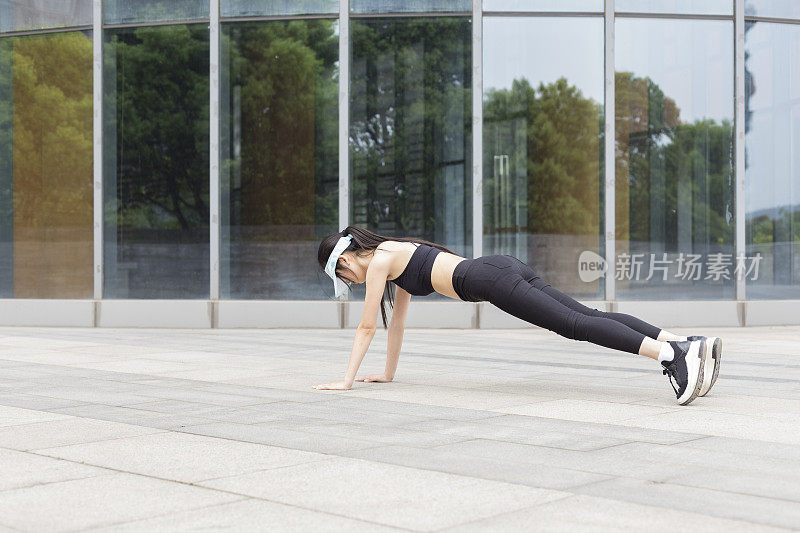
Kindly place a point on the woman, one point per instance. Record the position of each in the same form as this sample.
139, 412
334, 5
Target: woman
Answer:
419, 267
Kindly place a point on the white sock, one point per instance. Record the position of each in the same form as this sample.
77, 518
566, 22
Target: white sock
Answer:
684, 338
666, 353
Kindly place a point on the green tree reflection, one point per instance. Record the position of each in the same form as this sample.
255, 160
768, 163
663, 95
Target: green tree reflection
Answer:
663, 164
558, 150
559, 153
410, 124
161, 110
284, 110
46, 165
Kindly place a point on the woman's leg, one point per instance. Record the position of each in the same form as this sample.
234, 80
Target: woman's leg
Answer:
631, 321
521, 299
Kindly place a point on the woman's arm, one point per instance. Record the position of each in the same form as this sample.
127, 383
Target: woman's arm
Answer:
377, 274
395, 341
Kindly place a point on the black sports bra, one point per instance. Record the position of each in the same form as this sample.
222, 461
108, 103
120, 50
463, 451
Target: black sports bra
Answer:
416, 278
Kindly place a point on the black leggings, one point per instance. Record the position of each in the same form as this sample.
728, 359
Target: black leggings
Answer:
511, 285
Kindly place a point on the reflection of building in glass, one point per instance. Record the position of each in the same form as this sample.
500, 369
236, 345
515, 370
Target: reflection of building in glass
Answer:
772, 129
373, 118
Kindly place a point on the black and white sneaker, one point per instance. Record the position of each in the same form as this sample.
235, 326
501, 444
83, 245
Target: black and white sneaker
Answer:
686, 369
713, 359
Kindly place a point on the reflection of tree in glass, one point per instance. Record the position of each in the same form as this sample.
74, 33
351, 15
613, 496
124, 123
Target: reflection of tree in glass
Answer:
655, 151
656, 156
410, 120
286, 74
46, 120
559, 156
52, 130
6, 151
161, 94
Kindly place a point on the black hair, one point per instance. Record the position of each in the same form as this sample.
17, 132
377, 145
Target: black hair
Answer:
366, 241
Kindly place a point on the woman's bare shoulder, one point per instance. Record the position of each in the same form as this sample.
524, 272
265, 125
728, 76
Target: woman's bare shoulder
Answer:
394, 246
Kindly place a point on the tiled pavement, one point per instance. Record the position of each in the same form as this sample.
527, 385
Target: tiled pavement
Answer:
493, 430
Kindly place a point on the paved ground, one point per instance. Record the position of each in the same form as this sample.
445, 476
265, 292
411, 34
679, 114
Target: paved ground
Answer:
503, 430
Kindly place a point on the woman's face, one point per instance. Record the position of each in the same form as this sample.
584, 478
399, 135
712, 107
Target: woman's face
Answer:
351, 270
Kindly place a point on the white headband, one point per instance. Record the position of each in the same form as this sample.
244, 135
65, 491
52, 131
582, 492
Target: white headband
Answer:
339, 286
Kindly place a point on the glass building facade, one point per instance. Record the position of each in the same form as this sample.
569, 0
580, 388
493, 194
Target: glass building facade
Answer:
200, 150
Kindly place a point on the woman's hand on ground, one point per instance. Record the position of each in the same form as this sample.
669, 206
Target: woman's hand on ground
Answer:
377, 378
337, 385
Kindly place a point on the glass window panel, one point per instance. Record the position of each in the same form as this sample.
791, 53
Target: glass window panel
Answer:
683, 7
772, 160
409, 6
254, 8
6, 169
46, 166
279, 156
410, 130
156, 162
772, 8
674, 161
126, 12
544, 5
21, 15
542, 144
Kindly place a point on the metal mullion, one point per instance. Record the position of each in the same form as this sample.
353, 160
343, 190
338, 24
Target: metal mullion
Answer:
97, 143
45, 31
542, 14
477, 129
775, 20
739, 169
609, 155
270, 18
686, 16
344, 125
213, 154
156, 23
411, 14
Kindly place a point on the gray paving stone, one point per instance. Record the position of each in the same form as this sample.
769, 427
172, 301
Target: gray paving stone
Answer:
96, 501
263, 393
396, 496
365, 432
249, 515
754, 427
21, 469
746, 447
170, 406
65, 430
720, 503
36, 403
531, 434
768, 485
515, 453
183, 404
532, 475
718, 459
298, 440
134, 417
17, 416
90, 395
181, 456
589, 513
625, 433
406, 408
338, 414
251, 414
194, 395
